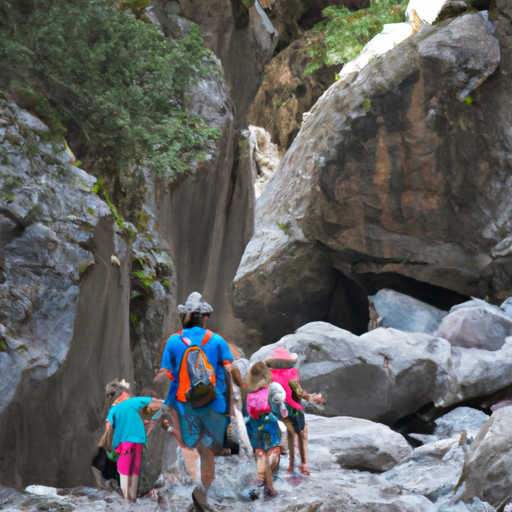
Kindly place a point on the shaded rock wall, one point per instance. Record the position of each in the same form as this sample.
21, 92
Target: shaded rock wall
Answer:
243, 39
287, 91
64, 308
207, 217
392, 175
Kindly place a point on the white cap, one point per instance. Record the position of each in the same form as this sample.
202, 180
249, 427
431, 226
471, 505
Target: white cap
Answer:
195, 304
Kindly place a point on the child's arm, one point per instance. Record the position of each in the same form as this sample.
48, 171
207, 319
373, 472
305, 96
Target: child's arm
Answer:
310, 397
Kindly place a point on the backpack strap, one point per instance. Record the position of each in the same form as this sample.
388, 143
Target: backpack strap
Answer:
206, 338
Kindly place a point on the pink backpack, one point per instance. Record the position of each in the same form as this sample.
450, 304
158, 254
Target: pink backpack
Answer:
257, 403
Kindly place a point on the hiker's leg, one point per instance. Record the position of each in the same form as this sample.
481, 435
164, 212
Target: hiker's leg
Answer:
269, 477
124, 486
274, 455
190, 457
259, 456
207, 465
133, 487
291, 450
303, 450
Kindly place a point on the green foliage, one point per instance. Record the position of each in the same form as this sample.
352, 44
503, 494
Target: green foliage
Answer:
100, 187
283, 227
41, 107
165, 284
135, 6
346, 32
133, 318
3, 345
120, 81
367, 105
22, 348
144, 280
468, 100
83, 268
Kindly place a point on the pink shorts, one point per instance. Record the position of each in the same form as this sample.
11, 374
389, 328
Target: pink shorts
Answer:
130, 458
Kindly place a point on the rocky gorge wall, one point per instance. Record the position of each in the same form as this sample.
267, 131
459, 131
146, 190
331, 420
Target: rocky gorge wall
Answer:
63, 309
398, 178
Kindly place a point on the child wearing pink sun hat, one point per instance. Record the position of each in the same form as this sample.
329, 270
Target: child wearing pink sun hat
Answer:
282, 366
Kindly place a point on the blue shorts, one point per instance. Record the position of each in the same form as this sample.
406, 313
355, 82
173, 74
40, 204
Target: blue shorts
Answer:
264, 433
204, 423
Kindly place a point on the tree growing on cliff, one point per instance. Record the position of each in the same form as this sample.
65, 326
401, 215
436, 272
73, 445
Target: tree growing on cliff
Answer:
115, 77
346, 32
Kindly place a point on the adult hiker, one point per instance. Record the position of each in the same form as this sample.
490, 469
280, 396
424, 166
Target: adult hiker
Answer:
129, 439
195, 360
282, 366
263, 426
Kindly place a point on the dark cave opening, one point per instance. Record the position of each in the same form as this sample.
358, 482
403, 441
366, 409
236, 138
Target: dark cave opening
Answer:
349, 302
349, 306
436, 296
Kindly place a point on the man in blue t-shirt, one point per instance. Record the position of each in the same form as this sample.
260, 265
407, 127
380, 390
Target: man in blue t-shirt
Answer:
202, 427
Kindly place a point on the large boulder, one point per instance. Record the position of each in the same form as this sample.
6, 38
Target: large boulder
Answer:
478, 373
386, 374
381, 376
354, 443
406, 313
365, 187
64, 304
458, 420
487, 470
477, 327
428, 475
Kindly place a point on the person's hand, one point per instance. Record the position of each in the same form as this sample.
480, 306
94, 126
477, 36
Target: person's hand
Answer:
318, 398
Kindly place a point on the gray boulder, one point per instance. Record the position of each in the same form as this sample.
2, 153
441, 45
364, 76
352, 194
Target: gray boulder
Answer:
487, 472
386, 374
405, 313
345, 199
381, 376
476, 373
429, 476
476, 327
476, 303
354, 443
461, 418
507, 306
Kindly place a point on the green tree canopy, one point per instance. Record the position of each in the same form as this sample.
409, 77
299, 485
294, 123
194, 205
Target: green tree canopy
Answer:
117, 77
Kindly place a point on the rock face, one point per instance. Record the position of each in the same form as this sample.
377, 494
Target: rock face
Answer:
354, 443
386, 374
64, 307
243, 39
476, 327
406, 313
487, 465
390, 181
287, 91
206, 218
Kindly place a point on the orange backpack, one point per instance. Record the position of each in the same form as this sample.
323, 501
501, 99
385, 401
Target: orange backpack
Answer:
197, 376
